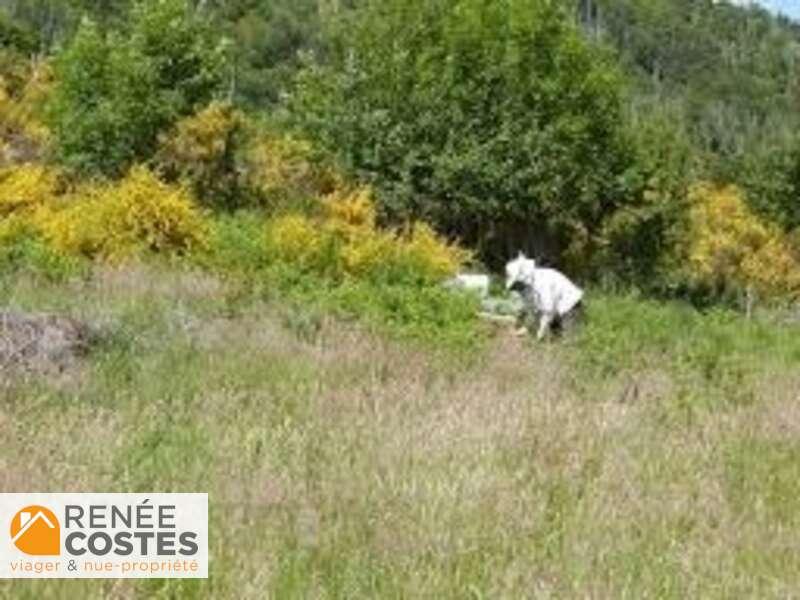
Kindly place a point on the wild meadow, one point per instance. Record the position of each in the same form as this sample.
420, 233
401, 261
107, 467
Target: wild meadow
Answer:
654, 454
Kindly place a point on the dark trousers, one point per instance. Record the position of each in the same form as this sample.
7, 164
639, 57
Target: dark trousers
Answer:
562, 324
569, 322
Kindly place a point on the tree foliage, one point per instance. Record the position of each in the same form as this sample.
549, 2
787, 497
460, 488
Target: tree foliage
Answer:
116, 92
268, 40
202, 149
731, 76
15, 36
573, 129
471, 114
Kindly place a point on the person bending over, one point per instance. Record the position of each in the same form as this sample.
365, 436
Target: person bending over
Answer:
547, 293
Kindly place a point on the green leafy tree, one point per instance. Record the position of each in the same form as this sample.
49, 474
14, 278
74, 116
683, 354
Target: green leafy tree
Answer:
496, 120
267, 41
47, 18
771, 176
16, 37
638, 241
108, 14
728, 74
116, 92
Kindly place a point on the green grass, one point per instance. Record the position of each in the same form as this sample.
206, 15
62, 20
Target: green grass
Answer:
30, 255
713, 355
652, 455
404, 308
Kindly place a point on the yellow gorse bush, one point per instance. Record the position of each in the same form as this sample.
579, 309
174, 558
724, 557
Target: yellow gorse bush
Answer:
230, 162
368, 252
345, 240
202, 150
26, 188
351, 209
426, 251
198, 144
294, 238
139, 214
13, 228
283, 170
29, 194
202, 137
20, 112
731, 247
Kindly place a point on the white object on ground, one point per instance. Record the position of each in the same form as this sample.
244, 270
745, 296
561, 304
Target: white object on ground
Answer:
546, 291
470, 282
510, 306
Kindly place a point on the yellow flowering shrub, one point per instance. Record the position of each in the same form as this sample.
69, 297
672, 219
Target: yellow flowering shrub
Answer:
137, 215
29, 196
202, 137
351, 209
428, 253
369, 252
283, 170
26, 188
20, 111
345, 241
13, 228
201, 149
295, 238
729, 246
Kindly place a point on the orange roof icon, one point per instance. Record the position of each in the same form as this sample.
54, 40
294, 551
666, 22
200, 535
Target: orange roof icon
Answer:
35, 530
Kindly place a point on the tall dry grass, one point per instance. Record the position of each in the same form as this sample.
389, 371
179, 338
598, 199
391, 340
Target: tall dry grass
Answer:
342, 464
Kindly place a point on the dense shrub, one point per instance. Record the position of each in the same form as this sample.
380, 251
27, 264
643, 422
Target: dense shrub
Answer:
14, 71
115, 93
476, 116
29, 196
138, 215
23, 92
17, 37
299, 240
235, 245
287, 172
270, 39
202, 150
344, 241
351, 210
729, 249
26, 188
771, 176
636, 242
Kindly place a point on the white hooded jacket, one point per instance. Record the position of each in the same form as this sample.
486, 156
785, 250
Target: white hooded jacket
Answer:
553, 292
547, 291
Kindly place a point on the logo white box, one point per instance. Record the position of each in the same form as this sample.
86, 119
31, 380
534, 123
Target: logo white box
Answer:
96, 535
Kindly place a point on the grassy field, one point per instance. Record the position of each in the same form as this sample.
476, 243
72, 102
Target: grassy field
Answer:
656, 454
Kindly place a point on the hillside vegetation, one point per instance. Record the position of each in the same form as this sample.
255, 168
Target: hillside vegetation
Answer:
577, 133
